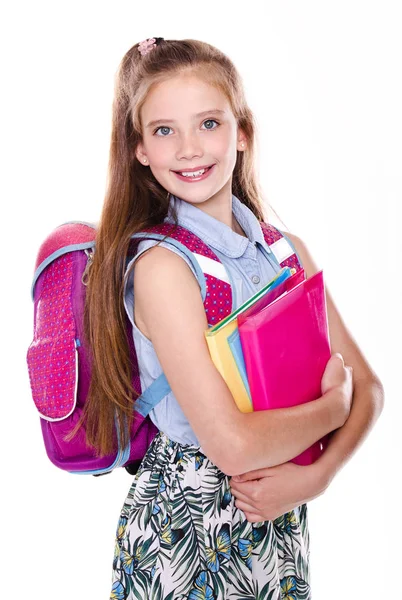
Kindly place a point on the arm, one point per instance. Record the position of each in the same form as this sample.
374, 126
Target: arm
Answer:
272, 437
270, 492
169, 306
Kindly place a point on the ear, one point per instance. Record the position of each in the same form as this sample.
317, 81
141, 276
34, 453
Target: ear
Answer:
139, 153
242, 141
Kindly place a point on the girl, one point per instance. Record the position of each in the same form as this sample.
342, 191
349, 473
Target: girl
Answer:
187, 529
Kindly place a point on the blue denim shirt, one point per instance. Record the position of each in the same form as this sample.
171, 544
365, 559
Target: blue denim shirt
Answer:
250, 264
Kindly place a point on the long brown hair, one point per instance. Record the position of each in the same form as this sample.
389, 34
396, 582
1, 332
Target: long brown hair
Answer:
135, 200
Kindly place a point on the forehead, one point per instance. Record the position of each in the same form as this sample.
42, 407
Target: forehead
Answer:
182, 97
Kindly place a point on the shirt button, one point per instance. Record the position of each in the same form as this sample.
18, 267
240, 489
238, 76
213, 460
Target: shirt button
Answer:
255, 279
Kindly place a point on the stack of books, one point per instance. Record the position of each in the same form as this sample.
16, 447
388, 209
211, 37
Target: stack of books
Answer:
272, 351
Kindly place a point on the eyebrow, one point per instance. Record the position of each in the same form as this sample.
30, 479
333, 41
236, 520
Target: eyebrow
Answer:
201, 114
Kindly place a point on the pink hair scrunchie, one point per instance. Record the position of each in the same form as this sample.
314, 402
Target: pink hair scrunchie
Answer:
146, 46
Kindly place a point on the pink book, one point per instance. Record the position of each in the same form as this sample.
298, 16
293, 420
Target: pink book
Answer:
286, 348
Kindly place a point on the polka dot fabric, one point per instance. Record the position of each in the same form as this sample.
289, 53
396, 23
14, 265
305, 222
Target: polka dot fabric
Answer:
271, 234
218, 300
185, 237
52, 355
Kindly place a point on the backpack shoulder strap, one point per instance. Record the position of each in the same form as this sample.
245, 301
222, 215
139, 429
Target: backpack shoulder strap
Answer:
281, 246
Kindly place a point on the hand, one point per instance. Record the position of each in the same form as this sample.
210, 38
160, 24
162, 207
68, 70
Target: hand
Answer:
338, 376
266, 494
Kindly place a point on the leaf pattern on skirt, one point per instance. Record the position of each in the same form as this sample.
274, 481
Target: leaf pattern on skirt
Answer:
181, 537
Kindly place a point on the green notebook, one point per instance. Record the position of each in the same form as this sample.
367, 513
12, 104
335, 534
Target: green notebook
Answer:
279, 277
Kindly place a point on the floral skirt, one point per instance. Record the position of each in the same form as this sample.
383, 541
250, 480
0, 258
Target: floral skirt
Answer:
180, 536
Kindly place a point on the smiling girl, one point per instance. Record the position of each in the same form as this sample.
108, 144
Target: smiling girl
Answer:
182, 154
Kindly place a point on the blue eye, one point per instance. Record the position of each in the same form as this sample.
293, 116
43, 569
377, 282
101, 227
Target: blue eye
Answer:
162, 127
211, 121
207, 121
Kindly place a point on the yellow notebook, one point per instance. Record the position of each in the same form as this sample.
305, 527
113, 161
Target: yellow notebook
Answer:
224, 361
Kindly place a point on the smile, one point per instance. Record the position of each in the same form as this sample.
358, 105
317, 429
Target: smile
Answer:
192, 176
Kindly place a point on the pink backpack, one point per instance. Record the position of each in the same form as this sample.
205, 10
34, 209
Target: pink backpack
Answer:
58, 365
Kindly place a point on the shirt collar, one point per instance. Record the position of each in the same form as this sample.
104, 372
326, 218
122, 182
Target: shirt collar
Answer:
215, 233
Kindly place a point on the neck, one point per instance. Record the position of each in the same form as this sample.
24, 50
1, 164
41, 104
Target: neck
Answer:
220, 207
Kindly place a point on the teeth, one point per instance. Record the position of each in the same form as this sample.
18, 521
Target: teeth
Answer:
193, 173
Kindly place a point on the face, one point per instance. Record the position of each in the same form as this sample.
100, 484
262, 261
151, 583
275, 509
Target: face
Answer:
183, 139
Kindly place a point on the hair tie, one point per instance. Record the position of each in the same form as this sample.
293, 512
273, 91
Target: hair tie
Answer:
148, 44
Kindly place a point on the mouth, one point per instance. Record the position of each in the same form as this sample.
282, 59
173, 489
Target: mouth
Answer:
194, 175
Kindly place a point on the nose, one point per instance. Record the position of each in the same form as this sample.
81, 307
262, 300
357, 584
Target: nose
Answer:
190, 147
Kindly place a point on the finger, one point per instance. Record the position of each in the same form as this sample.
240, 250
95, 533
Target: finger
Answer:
250, 475
246, 487
244, 498
244, 506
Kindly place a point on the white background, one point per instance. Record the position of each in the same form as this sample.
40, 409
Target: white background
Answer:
324, 82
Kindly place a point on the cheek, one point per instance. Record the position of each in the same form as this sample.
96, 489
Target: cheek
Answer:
222, 143
159, 156
228, 157
159, 152
226, 146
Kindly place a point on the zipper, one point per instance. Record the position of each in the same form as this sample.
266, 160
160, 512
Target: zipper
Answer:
123, 454
90, 259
